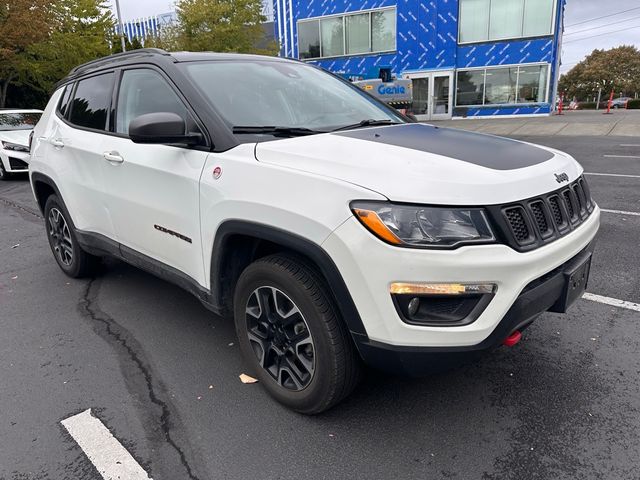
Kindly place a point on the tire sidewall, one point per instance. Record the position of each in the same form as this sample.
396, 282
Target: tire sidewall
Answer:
265, 275
72, 270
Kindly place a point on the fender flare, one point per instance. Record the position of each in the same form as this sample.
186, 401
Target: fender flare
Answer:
293, 242
42, 178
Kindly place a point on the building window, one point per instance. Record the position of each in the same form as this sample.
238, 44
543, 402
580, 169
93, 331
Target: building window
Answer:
349, 34
502, 86
309, 39
490, 20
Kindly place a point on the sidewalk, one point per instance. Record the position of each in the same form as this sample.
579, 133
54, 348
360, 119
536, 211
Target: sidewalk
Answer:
623, 123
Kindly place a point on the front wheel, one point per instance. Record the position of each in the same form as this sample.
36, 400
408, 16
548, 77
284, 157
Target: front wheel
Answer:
289, 330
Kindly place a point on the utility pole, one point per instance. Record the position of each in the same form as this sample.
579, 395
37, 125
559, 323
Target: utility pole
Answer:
599, 97
121, 26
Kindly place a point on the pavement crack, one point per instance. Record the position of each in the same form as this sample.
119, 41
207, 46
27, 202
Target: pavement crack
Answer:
116, 333
22, 208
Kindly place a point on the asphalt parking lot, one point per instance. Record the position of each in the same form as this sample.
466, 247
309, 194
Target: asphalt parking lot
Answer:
162, 374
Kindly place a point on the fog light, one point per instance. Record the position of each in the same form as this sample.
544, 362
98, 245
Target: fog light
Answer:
442, 288
413, 307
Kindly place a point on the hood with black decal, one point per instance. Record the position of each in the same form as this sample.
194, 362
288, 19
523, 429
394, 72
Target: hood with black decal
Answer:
420, 163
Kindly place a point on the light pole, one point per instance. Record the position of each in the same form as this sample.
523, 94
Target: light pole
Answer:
124, 46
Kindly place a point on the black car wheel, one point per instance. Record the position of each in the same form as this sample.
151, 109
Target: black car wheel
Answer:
4, 175
73, 261
290, 332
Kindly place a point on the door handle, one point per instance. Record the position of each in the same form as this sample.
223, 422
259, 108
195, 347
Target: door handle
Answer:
113, 157
57, 142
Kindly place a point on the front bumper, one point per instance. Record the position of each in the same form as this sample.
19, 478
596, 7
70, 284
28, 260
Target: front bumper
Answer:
539, 296
369, 266
15, 162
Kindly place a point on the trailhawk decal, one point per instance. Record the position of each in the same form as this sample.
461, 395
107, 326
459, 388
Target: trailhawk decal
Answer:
172, 233
484, 150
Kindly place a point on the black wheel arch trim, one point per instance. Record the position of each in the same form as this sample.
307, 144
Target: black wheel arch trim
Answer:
42, 178
295, 243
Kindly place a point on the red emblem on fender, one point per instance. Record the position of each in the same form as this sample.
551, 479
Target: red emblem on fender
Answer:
217, 172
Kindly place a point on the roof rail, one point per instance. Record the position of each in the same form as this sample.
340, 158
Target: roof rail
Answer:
118, 56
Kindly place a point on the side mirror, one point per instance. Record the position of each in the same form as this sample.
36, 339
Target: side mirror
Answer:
161, 128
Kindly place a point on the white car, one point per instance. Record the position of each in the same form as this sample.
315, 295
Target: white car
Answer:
332, 229
15, 128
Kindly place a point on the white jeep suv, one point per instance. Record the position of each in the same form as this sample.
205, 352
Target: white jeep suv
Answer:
334, 230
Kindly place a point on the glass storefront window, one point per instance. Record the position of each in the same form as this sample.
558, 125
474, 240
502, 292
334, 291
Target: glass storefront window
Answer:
502, 86
309, 39
332, 36
358, 34
532, 84
470, 89
383, 31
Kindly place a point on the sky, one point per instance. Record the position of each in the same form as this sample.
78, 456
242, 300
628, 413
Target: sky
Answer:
577, 41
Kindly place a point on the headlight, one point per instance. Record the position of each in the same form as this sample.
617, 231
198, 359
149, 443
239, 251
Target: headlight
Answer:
14, 147
424, 227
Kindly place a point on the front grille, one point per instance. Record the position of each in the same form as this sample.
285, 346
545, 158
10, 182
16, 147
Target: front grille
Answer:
537, 221
17, 164
516, 218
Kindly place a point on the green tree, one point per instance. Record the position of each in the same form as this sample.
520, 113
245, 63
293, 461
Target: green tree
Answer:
617, 69
78, 32
221, 26
23, 23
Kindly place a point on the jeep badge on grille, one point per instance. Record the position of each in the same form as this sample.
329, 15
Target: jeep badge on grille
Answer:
562, 177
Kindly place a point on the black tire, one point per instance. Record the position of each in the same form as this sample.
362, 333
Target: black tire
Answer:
336, 365
4, 175
63, 241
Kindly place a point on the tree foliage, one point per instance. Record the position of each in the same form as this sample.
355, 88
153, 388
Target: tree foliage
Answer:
617, 69
50, 38
220, 26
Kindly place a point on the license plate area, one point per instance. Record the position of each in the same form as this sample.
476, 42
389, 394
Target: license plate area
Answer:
576, 279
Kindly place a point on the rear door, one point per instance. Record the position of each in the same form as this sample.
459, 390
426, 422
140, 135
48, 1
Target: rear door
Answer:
75, 151
152, 191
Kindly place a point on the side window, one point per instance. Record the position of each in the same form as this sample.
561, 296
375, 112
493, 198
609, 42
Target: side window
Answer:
63, 106
91, 102
145, 91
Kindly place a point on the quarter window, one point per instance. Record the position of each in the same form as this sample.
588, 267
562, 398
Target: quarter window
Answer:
91, 102
490, 20
350, 34
502, 86
145, 91
63, 106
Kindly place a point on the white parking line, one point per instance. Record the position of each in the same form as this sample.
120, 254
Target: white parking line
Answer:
109, 457
620, 212
614, 302
612, 175
629, 145
621, 156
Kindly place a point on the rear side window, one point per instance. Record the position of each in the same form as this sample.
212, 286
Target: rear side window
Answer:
91, 102
145, 91
63, 106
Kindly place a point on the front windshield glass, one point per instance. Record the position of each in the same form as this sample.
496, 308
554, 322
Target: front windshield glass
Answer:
270, 93
18, 121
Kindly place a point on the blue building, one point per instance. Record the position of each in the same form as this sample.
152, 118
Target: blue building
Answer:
466, 58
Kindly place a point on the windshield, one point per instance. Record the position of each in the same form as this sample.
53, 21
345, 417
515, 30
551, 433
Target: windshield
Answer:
18, 121
268, 93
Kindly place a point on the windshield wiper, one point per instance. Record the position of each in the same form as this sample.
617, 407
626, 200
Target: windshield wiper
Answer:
276, 131
366, 123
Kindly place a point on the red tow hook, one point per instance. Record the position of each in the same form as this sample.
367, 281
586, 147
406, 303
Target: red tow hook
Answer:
513, 339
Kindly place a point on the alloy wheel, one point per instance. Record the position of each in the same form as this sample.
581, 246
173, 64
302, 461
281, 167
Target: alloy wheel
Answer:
280, 338
61, 237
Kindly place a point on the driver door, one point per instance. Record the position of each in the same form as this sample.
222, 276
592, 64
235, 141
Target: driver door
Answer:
152, 191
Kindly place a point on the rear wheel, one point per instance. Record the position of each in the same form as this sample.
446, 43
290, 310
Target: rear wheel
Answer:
73, 261
290, 332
